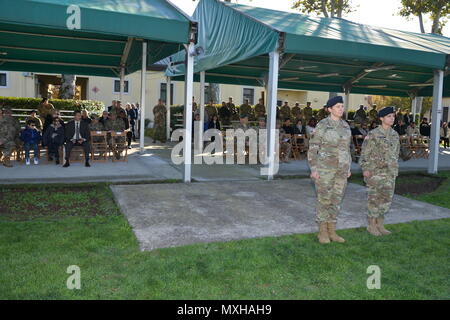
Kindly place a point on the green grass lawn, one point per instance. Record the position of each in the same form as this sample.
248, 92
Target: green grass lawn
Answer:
36, 249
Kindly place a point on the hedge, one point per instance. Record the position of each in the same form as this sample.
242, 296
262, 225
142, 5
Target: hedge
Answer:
60, 104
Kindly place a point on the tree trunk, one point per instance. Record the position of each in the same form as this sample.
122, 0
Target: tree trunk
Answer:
68, 87
340, 8
435, 28
324, 8
213, 93
333, 8
422, 28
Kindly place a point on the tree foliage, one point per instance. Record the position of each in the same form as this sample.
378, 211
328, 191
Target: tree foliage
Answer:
327, 8
439, 10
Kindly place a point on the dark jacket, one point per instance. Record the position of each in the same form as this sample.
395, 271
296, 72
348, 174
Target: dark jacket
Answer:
212, 125
58, 139
425, 129
29, 135
69, 130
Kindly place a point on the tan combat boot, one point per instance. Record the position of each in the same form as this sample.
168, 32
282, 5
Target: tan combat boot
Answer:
7, 162
323, 233
380, 226
372, 227
332, 233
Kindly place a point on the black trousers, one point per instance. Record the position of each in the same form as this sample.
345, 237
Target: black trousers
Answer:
85, 145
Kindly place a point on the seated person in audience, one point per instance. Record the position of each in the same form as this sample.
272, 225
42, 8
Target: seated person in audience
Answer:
285, 144
299, 127
49, 119
104, 117
85, 116
412, 130
31, 138
115, 124
400, 127
243, 122
96, 125
287, 126
37, 121
373, 125
310, 127
77, 133
354, 128
53, 139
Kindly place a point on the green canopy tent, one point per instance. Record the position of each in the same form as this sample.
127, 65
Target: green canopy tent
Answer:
245, 45
109, 38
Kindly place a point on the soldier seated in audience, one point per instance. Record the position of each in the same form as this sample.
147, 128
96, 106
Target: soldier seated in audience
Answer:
115, 124
412, 130
400, 127
7, 143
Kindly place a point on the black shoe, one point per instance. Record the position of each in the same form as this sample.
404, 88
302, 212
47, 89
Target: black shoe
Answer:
57, 161
66, 164
50, 158
87, 164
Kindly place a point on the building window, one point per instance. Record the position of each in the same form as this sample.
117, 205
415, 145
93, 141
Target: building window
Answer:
163, 92
3, 79
117, 86
248, 93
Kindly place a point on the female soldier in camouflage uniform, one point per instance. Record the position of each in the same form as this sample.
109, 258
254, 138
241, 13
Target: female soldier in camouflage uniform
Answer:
329, 160
379, 161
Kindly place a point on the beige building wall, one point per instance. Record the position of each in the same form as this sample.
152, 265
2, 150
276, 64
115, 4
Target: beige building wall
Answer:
20, 84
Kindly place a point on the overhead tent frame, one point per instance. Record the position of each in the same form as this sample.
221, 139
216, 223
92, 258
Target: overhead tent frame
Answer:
321, 54
106, 38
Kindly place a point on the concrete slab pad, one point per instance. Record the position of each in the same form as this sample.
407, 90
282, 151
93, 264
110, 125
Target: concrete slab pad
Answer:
168, 215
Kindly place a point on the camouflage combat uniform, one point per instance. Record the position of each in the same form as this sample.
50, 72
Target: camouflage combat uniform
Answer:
360, 116
6, 138
15, 131
211, 110
373, 115
159, 129
296, 113
96, 127
379, 156
260, 110
322, 114
232, 108
246, 109
329, 155
116, 125
285, 112
307, 114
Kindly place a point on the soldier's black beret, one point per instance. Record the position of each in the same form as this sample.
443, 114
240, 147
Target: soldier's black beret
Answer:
244, 115
333, 101
385, 111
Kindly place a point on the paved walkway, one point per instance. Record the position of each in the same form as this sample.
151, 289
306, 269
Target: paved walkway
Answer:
182, 214
156, 164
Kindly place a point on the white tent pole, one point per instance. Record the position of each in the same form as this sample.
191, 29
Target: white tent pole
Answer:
168, 105
122, 83
436, 115
202, 109
414, 108
272, 109
419, 106
188, 94
346, 102
142, 106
